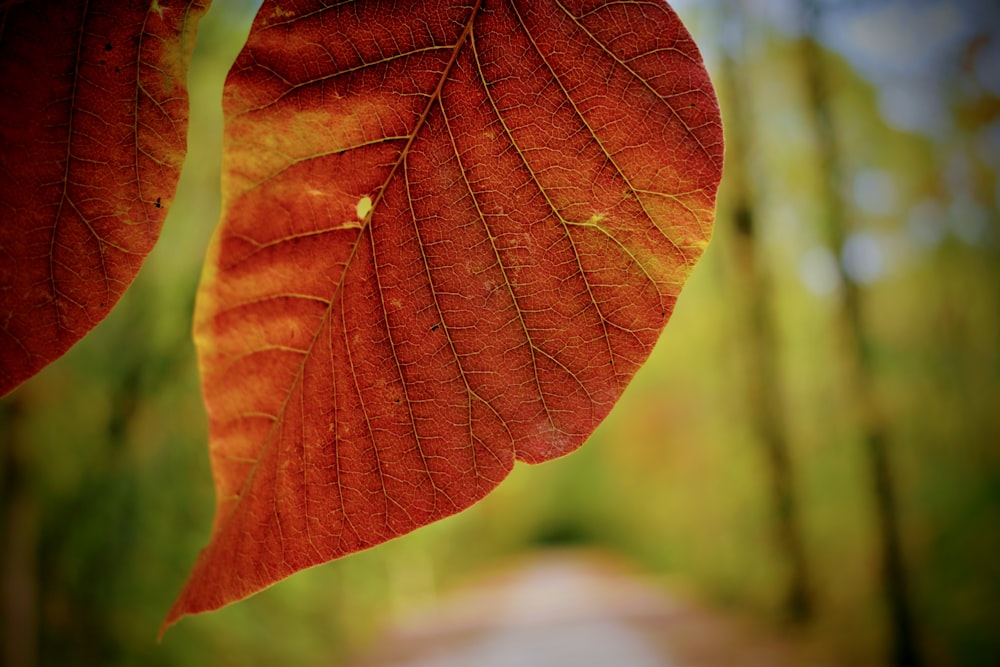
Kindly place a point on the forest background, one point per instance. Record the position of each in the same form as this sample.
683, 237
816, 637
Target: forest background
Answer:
852, 290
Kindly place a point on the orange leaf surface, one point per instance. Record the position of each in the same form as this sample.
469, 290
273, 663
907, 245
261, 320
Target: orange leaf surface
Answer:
451, 235
92, 129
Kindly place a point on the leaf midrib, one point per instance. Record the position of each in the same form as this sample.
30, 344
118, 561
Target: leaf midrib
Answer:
338, 288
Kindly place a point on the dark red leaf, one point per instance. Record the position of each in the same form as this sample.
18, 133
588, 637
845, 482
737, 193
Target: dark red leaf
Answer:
92, 128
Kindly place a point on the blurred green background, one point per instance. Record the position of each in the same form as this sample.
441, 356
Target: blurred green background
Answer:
852, 289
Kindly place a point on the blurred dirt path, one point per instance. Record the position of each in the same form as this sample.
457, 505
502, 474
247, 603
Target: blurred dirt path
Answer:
575, 609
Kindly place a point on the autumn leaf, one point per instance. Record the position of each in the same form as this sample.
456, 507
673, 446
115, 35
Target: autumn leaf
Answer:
93, 131
451, 235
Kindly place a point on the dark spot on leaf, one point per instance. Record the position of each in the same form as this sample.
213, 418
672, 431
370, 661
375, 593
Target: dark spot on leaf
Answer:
435, 327
107, 46
158, 204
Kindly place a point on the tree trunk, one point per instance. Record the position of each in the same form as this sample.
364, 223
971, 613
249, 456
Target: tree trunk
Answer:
19, 545
860, 369
753, 290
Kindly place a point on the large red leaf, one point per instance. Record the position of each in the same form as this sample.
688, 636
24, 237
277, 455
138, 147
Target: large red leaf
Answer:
451, 235
93, 118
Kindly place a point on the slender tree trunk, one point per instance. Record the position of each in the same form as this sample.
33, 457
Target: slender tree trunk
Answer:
860, 370
753, 289
18, 558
